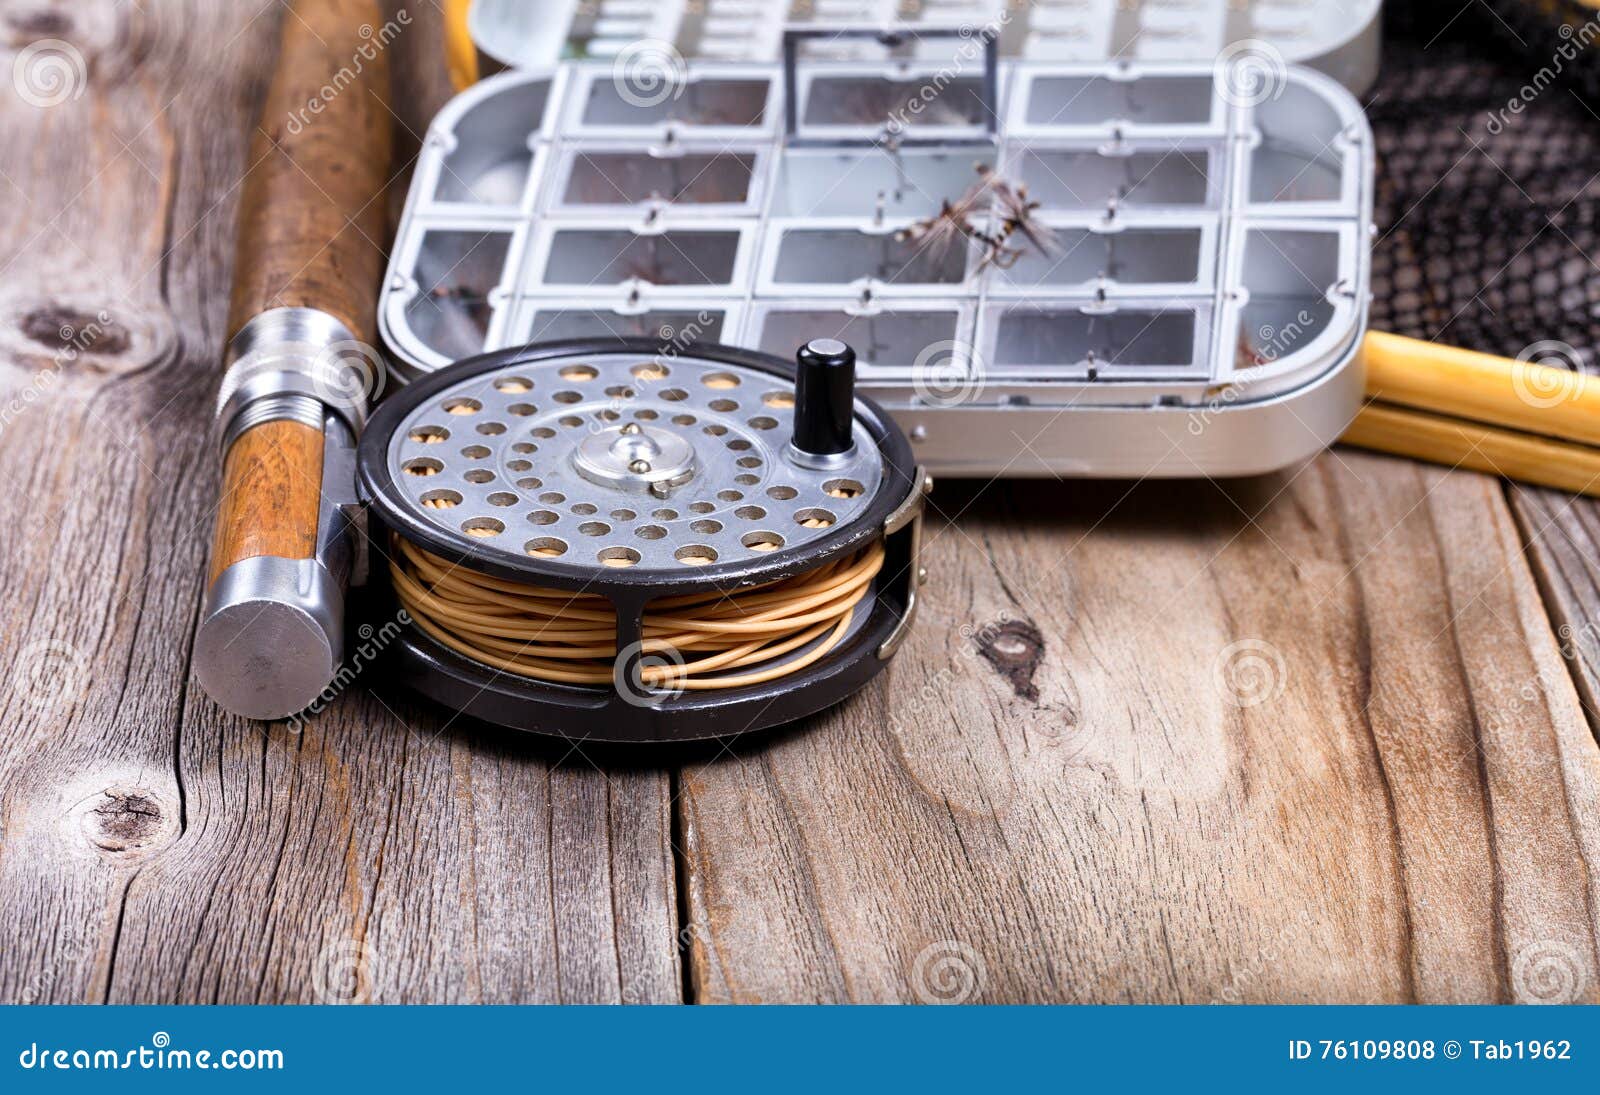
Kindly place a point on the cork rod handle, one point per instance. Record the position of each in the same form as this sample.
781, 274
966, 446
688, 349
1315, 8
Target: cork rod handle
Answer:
311, 224
311, 215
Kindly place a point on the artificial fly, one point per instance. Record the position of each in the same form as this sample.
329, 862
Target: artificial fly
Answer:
992, 195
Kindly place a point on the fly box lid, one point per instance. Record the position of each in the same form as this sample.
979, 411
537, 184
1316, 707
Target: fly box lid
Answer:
1338, 37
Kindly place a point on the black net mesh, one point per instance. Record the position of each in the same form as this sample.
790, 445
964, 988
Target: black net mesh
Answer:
1487, 213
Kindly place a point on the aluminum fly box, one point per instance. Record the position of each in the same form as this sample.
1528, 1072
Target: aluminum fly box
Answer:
1192, 302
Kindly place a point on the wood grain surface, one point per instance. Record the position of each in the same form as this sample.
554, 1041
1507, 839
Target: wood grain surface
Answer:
1312, 742
1308, 737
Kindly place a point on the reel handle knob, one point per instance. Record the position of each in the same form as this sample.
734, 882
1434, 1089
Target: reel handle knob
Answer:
824, 399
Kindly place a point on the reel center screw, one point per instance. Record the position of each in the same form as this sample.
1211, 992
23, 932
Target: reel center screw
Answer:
636, 458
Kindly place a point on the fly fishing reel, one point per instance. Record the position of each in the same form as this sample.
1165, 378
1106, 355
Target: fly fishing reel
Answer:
599, 540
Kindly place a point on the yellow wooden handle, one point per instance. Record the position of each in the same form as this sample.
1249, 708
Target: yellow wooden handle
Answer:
1461, 444
1499, 391
460, 53
1521, 420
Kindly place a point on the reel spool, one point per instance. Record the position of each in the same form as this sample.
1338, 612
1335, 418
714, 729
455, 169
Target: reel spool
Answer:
598, 541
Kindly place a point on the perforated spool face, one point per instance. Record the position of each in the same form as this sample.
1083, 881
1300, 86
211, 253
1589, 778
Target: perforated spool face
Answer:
624, 461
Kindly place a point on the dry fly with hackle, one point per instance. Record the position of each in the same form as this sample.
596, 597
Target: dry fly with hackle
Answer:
992, 196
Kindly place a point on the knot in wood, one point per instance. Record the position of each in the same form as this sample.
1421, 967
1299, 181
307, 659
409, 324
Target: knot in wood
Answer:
1014, 648
39, 23
77, 343
127, 822
61, 328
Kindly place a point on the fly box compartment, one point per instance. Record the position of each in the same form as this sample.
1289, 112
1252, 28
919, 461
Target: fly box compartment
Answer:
1046, 268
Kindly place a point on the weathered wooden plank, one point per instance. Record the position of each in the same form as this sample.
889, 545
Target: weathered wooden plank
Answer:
155, 849
1312, 740
1563, 537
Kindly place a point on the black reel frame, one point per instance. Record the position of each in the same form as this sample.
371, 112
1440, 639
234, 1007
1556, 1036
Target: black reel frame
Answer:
603, 714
